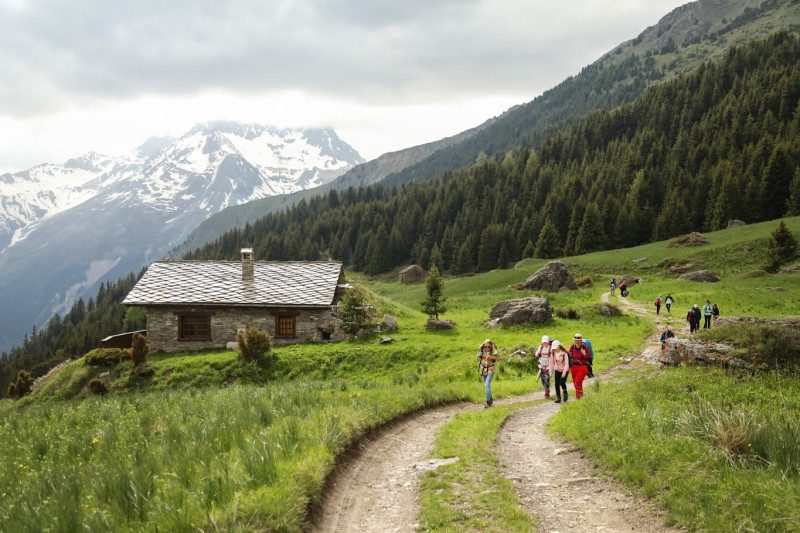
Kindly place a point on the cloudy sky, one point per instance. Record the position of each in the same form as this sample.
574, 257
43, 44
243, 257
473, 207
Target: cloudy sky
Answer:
386, 74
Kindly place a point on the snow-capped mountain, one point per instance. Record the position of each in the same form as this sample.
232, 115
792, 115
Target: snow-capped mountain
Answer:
65, 228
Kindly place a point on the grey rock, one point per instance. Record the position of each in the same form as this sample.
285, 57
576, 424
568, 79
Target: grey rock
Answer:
386, 340
786, 322
687, 351
551, 277
701, 276
532, 310
389, 323
435, 324
736, 223
640, 260
233, 345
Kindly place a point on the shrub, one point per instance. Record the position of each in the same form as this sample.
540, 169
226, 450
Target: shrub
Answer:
354, 311
568, 313
607, 309
780, 249
103, 357
21, 386
253, 343
584, 281
139, 349
97, 386
144, 370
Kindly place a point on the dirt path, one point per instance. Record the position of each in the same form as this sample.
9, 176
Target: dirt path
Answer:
376, 489
545, 472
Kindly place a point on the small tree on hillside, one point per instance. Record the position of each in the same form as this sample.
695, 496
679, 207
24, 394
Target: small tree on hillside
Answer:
793, 203
21, 386
781, 248
139, 349
354, 311
547, 246
433, 303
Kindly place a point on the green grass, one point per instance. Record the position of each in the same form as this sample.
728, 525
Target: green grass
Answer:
720, 451
203, 443
471, 494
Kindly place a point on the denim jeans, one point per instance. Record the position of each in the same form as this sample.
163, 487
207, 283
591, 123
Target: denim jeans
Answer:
487, 381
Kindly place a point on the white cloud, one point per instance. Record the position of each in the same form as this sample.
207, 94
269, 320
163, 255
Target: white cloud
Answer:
90, 74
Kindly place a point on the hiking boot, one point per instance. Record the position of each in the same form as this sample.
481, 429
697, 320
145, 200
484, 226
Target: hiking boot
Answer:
558, 400
547, 393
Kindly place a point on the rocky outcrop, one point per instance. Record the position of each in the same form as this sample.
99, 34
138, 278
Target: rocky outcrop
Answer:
736, 223
629, 281
701, 276
691, 352
785, 322
692, 239
440, 324
532, 310
389, 323
552, 277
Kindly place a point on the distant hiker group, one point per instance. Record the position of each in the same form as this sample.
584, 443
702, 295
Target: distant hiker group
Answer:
709, 313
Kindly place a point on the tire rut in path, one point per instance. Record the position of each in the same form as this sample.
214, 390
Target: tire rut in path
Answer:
557, 484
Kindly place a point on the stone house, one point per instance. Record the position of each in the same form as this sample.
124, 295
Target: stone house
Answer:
413, 274
197, 305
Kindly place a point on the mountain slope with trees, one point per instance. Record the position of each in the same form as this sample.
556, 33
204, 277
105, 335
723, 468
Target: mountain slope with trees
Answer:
720, 143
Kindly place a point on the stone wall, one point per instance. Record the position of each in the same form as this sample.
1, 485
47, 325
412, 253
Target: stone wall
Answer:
162, 326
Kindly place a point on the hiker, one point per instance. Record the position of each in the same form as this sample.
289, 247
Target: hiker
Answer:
581, 360
559, 369
657, 303
715, 313
613, 285
487, 356
543, 354
668, 301
666, 333
708, 312
693, 317
623, 288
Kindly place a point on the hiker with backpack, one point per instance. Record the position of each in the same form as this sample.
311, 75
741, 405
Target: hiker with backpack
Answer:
657, 303
693, 318
559, 369
668, 301
708, 312
623, 288
666, 334
715, 313
613, 285
580, 363
487, 363
543, 357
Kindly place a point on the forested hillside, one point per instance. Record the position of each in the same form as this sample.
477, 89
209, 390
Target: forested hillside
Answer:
73, 335
722, 142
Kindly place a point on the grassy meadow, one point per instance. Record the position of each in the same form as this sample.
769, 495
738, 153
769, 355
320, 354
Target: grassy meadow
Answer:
209, 442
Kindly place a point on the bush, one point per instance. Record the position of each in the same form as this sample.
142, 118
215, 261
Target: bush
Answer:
103, 357
144, 370
139, 349
607, 309
568, 313
253, 343
584, 281
97, 386
21, 386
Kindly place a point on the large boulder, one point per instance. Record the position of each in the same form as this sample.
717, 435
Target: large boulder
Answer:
692, 239
736, 223
630, 281
439, 324
702, 276
784, 322
551, 277
533, 310
691, 352
389, 323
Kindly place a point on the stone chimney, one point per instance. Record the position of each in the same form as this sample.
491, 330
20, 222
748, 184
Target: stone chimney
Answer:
247, 264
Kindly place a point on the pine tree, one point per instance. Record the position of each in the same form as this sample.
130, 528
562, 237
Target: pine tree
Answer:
502, 257
793, 203
781, 248
547, 246
433, 304
436, 257
591, 235
464, 261
529, 251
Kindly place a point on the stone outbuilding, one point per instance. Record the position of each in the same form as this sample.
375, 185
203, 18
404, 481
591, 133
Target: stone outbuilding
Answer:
413, 274
197, 305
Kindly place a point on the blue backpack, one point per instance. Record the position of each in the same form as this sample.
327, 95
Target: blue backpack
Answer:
588, 343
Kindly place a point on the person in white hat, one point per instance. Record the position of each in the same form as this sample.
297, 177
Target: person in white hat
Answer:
487, 357
543, 354
581, 363
559, 368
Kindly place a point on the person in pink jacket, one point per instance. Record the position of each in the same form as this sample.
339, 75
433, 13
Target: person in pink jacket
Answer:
559, 369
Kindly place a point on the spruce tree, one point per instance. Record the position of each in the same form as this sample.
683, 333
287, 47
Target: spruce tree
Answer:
793, 203
502, 257
529, 251
433, 302
591, 235
547, 246
436, 257
781, 248
464, 261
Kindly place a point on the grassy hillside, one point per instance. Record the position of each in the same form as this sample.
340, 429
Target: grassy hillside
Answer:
204, 445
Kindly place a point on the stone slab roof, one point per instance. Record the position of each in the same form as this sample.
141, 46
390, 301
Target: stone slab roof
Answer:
275, 284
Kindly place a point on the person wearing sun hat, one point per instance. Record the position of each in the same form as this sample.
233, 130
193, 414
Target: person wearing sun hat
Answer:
559, 368
487, 356
581, 361
543, 355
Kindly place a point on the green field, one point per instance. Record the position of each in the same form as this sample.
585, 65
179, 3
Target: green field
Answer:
210, 442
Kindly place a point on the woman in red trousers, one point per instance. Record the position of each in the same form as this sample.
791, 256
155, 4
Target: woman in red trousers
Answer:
581, 359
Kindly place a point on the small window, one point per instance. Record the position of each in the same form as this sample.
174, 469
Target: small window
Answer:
285, 327
194, 327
